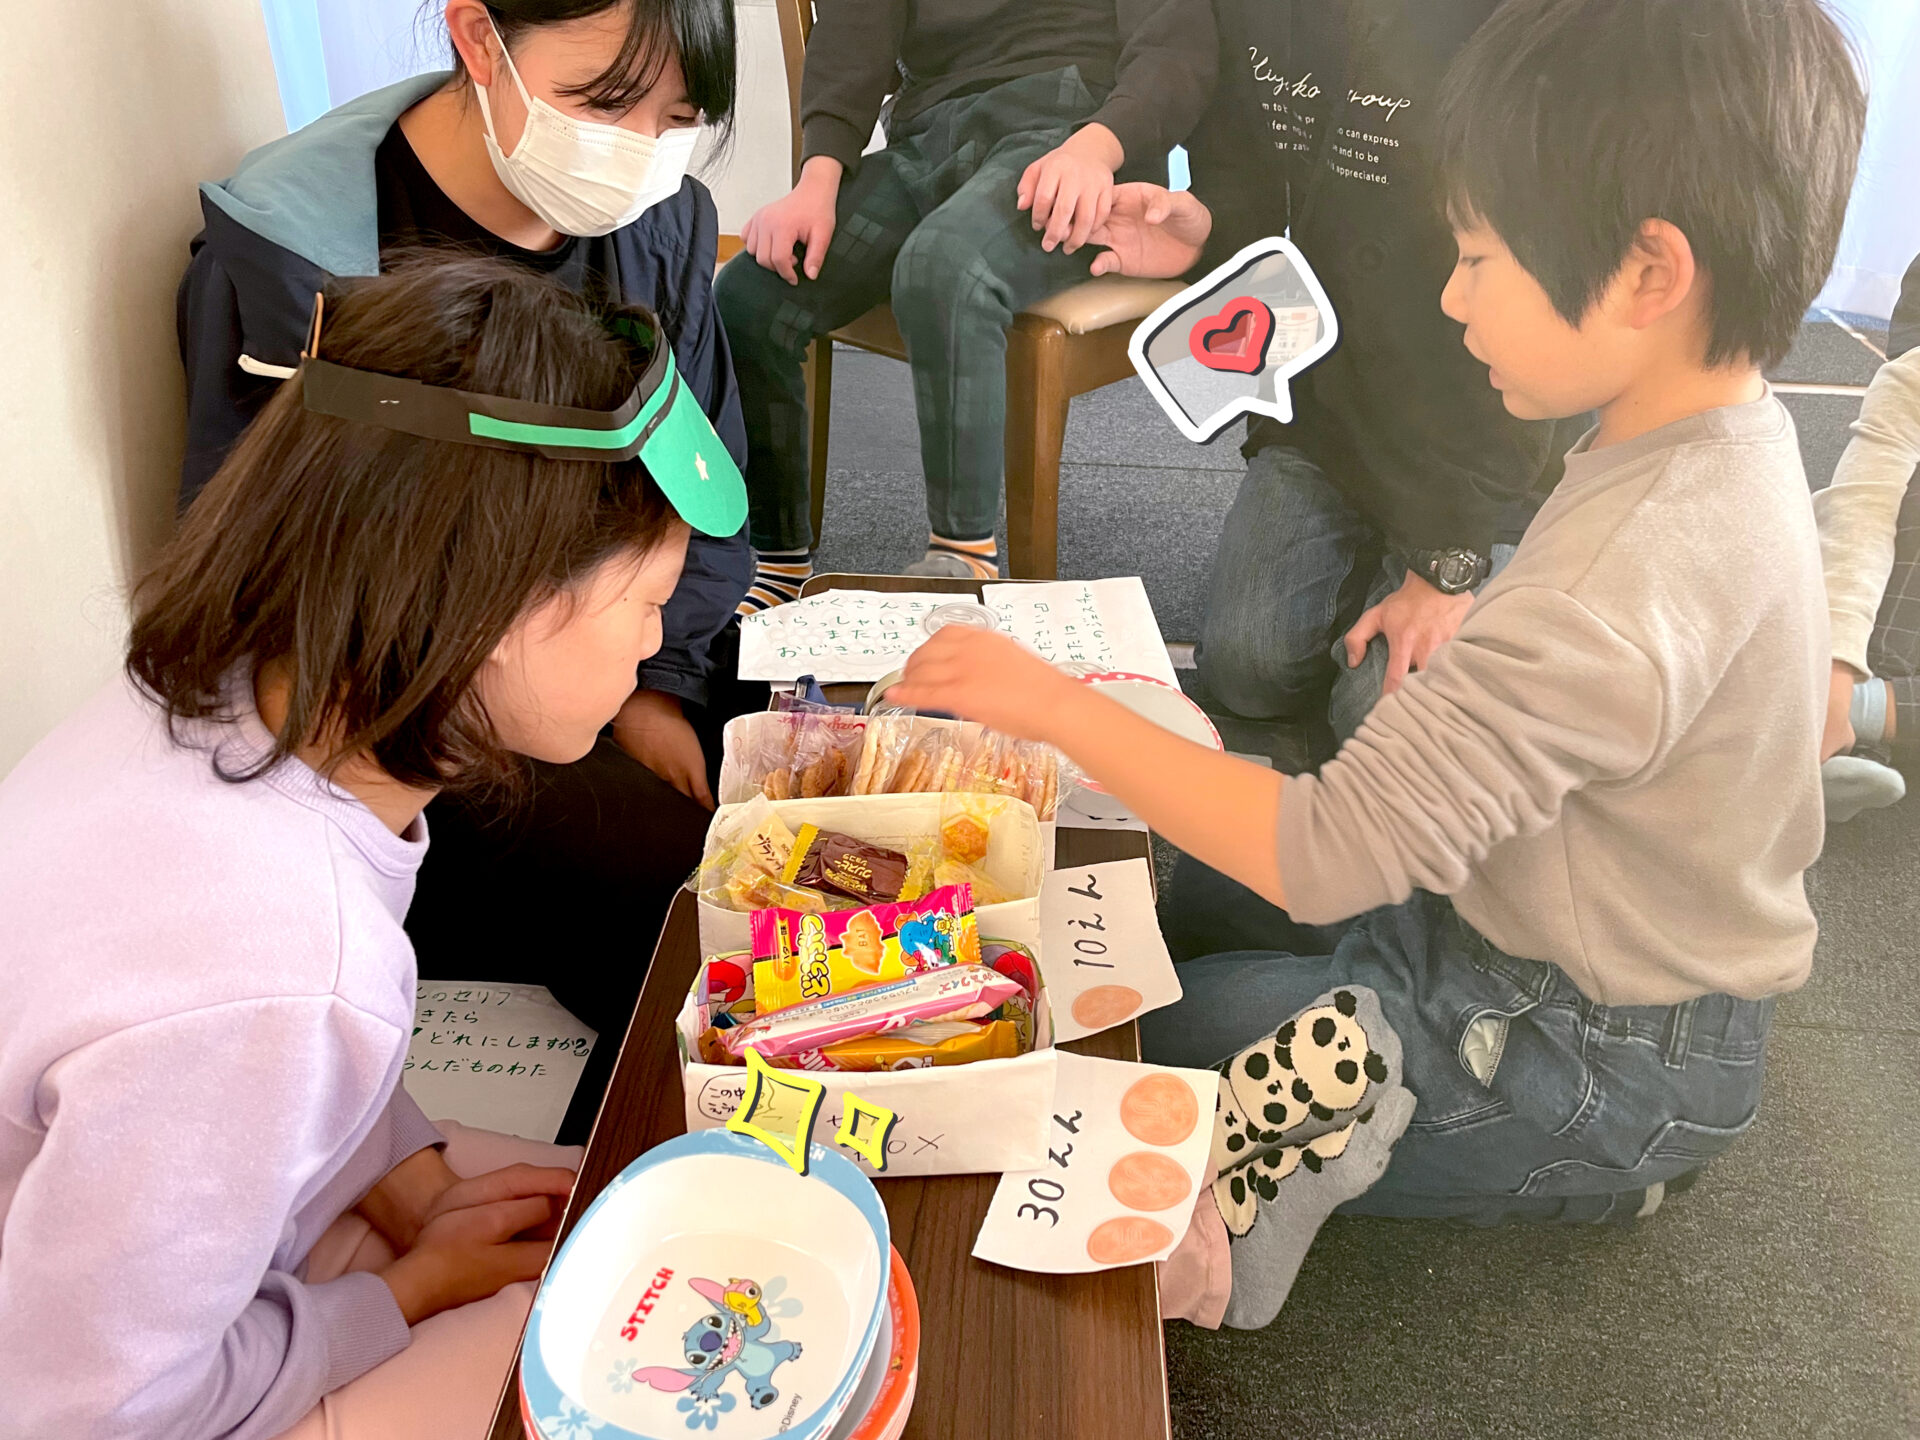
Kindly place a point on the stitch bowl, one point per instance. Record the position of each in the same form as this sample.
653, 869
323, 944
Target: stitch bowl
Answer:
710, 1291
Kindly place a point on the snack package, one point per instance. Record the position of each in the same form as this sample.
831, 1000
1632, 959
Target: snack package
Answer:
807, 753
744, 870
953, 992
827, 860
902, 754
918, 1047
803, 957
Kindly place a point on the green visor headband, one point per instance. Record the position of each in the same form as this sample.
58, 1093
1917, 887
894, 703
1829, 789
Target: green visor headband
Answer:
660, 422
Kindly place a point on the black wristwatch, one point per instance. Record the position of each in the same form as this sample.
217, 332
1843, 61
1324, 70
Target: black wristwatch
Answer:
1451, 572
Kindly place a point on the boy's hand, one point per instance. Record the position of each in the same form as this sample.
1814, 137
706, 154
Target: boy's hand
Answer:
1152, 233
980, 675
653, 729
803, 216
1838, 733
1070, 189
1417, 620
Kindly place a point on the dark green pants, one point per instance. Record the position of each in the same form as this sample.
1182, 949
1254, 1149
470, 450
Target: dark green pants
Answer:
930, 222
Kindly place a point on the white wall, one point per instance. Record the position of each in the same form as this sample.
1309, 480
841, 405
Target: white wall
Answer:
98, 176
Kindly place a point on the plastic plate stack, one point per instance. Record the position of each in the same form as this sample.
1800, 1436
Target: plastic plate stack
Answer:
711, 1290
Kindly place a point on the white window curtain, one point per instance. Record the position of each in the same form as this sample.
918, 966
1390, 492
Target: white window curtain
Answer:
1883, 221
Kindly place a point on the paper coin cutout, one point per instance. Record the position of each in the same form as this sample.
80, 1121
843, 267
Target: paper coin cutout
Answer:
1148, 1180
1127, 1239
1235, 339
1105, 1005
1159, 1109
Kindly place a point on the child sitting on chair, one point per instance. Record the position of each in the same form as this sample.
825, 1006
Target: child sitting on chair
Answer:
1008, 123
223, 1214
1575, 845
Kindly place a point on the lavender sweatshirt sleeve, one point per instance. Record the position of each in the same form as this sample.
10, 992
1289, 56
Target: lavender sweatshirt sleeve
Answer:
146, 1284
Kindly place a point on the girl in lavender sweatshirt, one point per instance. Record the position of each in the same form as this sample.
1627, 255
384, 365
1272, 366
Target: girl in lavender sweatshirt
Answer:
208, 993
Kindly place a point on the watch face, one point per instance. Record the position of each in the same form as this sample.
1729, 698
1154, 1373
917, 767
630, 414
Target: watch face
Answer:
1458, 569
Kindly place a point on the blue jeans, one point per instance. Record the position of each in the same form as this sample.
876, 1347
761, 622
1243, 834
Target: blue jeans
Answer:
1296, 568
1576, 1107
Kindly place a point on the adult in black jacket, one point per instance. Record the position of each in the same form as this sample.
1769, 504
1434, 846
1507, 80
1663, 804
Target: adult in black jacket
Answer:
569, 887
1362, 526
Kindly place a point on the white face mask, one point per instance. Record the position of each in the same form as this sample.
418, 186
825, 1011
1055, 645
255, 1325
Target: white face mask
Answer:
583, 178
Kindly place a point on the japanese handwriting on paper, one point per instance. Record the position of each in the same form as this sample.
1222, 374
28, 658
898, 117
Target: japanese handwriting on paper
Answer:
1101, 919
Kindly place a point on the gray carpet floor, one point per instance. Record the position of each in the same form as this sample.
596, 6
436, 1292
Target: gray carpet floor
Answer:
1779, 1298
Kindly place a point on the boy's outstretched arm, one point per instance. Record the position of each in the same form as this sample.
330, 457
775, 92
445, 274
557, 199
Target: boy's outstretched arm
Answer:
1222, 811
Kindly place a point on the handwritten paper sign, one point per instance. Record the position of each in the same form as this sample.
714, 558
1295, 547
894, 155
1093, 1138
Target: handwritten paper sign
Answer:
1106, 624
499, 1057
1084, 809
1101, 947
837, 635
1124, 1159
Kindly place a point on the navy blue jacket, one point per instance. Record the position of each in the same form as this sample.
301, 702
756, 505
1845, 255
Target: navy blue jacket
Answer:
303, 209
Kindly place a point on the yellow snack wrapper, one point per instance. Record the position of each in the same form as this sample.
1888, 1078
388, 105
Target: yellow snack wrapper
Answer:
944, 1042
800, 957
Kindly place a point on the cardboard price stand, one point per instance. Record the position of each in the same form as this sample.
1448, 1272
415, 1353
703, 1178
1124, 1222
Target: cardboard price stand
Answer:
1003, 1352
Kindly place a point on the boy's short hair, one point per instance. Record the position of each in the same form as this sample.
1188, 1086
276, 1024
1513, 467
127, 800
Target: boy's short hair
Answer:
1566, 123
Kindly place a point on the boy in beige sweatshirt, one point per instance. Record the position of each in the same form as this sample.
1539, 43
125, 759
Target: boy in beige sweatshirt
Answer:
1575, 845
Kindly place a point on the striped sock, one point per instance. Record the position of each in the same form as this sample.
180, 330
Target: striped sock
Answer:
982, 555
777, 578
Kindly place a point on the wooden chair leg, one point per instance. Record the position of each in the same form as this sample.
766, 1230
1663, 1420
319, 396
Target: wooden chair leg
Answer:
819, 418
1036, 429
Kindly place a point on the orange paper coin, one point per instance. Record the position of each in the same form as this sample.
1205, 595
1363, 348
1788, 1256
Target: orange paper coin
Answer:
1127, 1239
1105, 1005
1148, 1180
1159, 1109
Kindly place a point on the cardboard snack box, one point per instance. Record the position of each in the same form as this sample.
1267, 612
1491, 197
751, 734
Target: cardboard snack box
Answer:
979, 1119
1019, 854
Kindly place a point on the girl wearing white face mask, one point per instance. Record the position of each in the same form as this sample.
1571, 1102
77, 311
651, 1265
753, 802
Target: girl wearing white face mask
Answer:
560, 140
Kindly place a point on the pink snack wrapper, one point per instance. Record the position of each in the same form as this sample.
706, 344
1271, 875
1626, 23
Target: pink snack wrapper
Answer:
955, 992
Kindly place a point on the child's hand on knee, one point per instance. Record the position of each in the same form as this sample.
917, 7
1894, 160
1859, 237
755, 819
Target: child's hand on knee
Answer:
486, 1233
980, 675
804, 216
1070, 189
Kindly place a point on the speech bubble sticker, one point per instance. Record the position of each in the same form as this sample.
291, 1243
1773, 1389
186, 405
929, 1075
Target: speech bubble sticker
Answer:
778, 1110
1226, 347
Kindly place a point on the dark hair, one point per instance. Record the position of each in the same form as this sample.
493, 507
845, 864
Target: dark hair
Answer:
703, 40
1567, 123
378, 570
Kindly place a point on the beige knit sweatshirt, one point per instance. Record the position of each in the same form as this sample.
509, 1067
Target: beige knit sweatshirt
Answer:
1614, 766
1859, 513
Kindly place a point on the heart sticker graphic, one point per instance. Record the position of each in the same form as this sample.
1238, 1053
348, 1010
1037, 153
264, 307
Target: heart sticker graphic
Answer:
1236, 338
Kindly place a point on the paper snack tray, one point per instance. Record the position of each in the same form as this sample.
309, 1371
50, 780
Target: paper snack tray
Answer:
1018, 855
979, 1119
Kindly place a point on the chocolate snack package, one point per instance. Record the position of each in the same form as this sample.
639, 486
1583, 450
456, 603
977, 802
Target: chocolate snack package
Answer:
826, 860
799, 957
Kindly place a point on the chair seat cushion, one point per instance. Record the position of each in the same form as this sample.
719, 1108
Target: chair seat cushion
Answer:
1105, 300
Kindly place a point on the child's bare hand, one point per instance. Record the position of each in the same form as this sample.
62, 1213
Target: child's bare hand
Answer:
468, 1252
1070, 189
980, 675
803, 217
1151, 232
